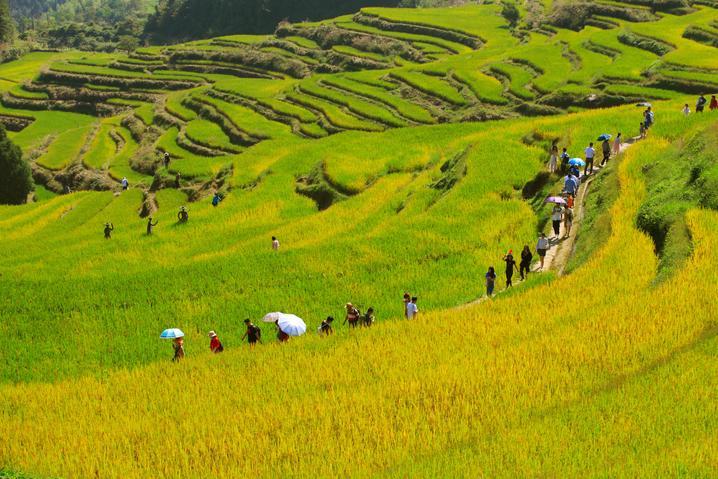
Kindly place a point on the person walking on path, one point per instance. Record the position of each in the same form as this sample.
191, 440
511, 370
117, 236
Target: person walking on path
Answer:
178, 346
183, 215
648, 117
590, 154
253, 333
568, 221
215, 345
368, 318
525, 265
125, 184
109, 228
352, 316
617, 144
570, 184
490, 281
606, 150
325, 329
541, 248
510, 265
275, 243
686, 110
714, 103
556, 217
643, 132
167, 160
412, 310
150, 225
553, 161
701, 104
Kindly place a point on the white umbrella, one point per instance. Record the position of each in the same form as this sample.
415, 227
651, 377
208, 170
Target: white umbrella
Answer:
173, 333
291, 324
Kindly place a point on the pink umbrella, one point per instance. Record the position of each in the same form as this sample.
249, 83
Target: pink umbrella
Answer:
555, 199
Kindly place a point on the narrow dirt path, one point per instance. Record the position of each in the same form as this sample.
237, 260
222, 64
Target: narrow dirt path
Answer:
562, 247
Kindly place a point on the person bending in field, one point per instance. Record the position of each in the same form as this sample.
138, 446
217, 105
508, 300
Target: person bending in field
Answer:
150, 225
178, 346
525, 265
368, 319
109, 228
325, 329
183, 215
253, 333
510, 265
542, 247
714, 103
701, 104
282, 337
275, 243
412, 310
352, 316
215, 345
490, 281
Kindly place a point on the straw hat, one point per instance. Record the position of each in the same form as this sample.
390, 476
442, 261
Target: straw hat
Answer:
212, 334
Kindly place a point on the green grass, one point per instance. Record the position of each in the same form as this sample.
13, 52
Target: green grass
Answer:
304, 42
519, 77
65, 149
485, 87
20, 92
351, 51
175, 106
335, 115
430, 85
205, 132
101, 149
247, 119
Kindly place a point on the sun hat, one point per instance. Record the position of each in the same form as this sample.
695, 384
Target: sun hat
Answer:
212, 334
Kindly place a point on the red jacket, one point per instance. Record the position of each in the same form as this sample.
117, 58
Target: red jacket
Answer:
215, 345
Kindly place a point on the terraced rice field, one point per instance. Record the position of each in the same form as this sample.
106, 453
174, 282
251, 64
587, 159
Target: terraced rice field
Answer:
355, 142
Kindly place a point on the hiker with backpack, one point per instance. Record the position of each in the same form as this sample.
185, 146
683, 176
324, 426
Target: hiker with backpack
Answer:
215, 345
183, 215
542, 247
109, 228
253, 333
606, 150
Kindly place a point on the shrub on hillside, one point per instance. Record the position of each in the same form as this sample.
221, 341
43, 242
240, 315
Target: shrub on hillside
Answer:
16, 178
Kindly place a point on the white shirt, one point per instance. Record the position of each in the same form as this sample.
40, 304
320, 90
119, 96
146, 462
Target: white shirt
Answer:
590, 152
411, 310
275, 245
686, 111
557, 212
125, 182
542, 243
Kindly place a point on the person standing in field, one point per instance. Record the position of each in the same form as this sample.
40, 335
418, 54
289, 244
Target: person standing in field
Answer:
556, 217
215, 345
568, 221
553, 161
649, 118
125, 184
183, 215
368, 318
701, 104
590, 154
510, 265
686, 110
282, 337
216, 199
275, 243
407, 300
167, 160
490, 281
178, 346
525, 265
178, 177
606, 150
714, 103
352, 316
617, 144
325, 329
150, 225
109, 228
643, 132
541, 248
253, 333
412, 310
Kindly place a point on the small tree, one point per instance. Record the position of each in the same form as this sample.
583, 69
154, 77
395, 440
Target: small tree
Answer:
128, 43
15, 174
510, 12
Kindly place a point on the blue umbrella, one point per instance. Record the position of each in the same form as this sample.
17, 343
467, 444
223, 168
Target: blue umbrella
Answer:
604, 137
576, 162
173, 333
